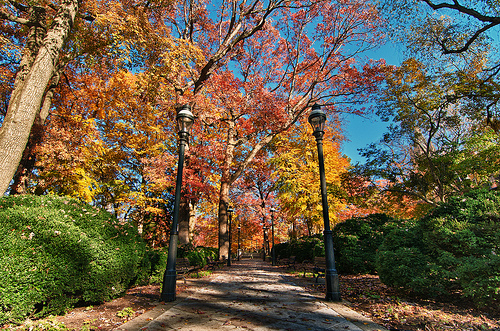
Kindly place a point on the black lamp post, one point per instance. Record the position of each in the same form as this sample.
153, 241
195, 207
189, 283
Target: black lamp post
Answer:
239, 232
273, 253
229, 216
317, 119
264, 243
185, 121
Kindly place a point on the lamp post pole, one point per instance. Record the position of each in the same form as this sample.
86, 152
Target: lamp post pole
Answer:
273, 253
229, 215
239, 232
317, 119
264, 243
184, 122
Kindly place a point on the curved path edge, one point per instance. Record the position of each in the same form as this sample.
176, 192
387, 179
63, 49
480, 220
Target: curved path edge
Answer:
249, 295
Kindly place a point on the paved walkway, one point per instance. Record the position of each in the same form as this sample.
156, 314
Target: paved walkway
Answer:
249, 295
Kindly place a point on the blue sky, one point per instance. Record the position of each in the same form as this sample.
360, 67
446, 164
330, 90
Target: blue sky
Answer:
360, 131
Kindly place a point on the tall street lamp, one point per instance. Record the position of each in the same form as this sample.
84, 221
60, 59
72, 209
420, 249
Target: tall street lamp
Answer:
239, 232
229, 216
185, 121
264, 242
273, 253
317, 119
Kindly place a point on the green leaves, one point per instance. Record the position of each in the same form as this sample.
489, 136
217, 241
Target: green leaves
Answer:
297, 174
436, 147
58, 251
454, 249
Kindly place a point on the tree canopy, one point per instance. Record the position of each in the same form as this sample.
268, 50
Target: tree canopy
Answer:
441, 101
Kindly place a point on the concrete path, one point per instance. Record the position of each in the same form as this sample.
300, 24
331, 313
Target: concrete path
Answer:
250, 295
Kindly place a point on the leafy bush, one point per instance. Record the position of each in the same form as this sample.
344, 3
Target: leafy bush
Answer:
56, 252
480, 280
401, 262
305, 248
356, 241
153, 266
197, 255
157, 260
454, 248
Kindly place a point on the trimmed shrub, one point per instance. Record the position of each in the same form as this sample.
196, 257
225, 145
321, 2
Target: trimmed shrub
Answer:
197, 255
283, 250
152, 267
454, 249
157, 260
56, 252
401, 262
480, 280
305, 248
356, 241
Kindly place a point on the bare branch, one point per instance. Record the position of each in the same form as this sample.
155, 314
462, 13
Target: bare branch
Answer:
19, 6
13, 18
411, 193
232, 38
492, 20
469, 41
465, 10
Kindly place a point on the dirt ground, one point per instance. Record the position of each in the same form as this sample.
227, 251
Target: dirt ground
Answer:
363, 293
398, 311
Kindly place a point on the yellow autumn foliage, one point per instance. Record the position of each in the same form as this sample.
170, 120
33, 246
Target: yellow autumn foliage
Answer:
296, 173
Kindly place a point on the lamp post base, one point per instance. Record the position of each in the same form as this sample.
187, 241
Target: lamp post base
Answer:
168, 290
332, 286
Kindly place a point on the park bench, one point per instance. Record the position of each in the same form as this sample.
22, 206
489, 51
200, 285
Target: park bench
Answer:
247, 255
288, 262
317, 267
212, 264
184, 267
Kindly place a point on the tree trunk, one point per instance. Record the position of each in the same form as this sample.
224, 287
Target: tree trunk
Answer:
184, 218
223, 225
27, 163
28, 95
229, 177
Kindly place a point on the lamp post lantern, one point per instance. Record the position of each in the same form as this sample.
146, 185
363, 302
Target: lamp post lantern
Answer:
273, 253
239, 232
229, 216
317, 119
185, 121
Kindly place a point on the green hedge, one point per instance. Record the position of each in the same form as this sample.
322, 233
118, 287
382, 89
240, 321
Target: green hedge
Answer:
305, 248
454, 249
356, 241
197, 255
56, 252
155, 262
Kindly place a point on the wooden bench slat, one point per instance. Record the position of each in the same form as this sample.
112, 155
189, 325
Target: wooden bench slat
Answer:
317, 267
215, 263
183, 267
288, 262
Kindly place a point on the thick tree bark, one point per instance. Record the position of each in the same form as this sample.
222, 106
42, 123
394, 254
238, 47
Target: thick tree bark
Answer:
27, 99
223, 225
184, 220
27, 163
